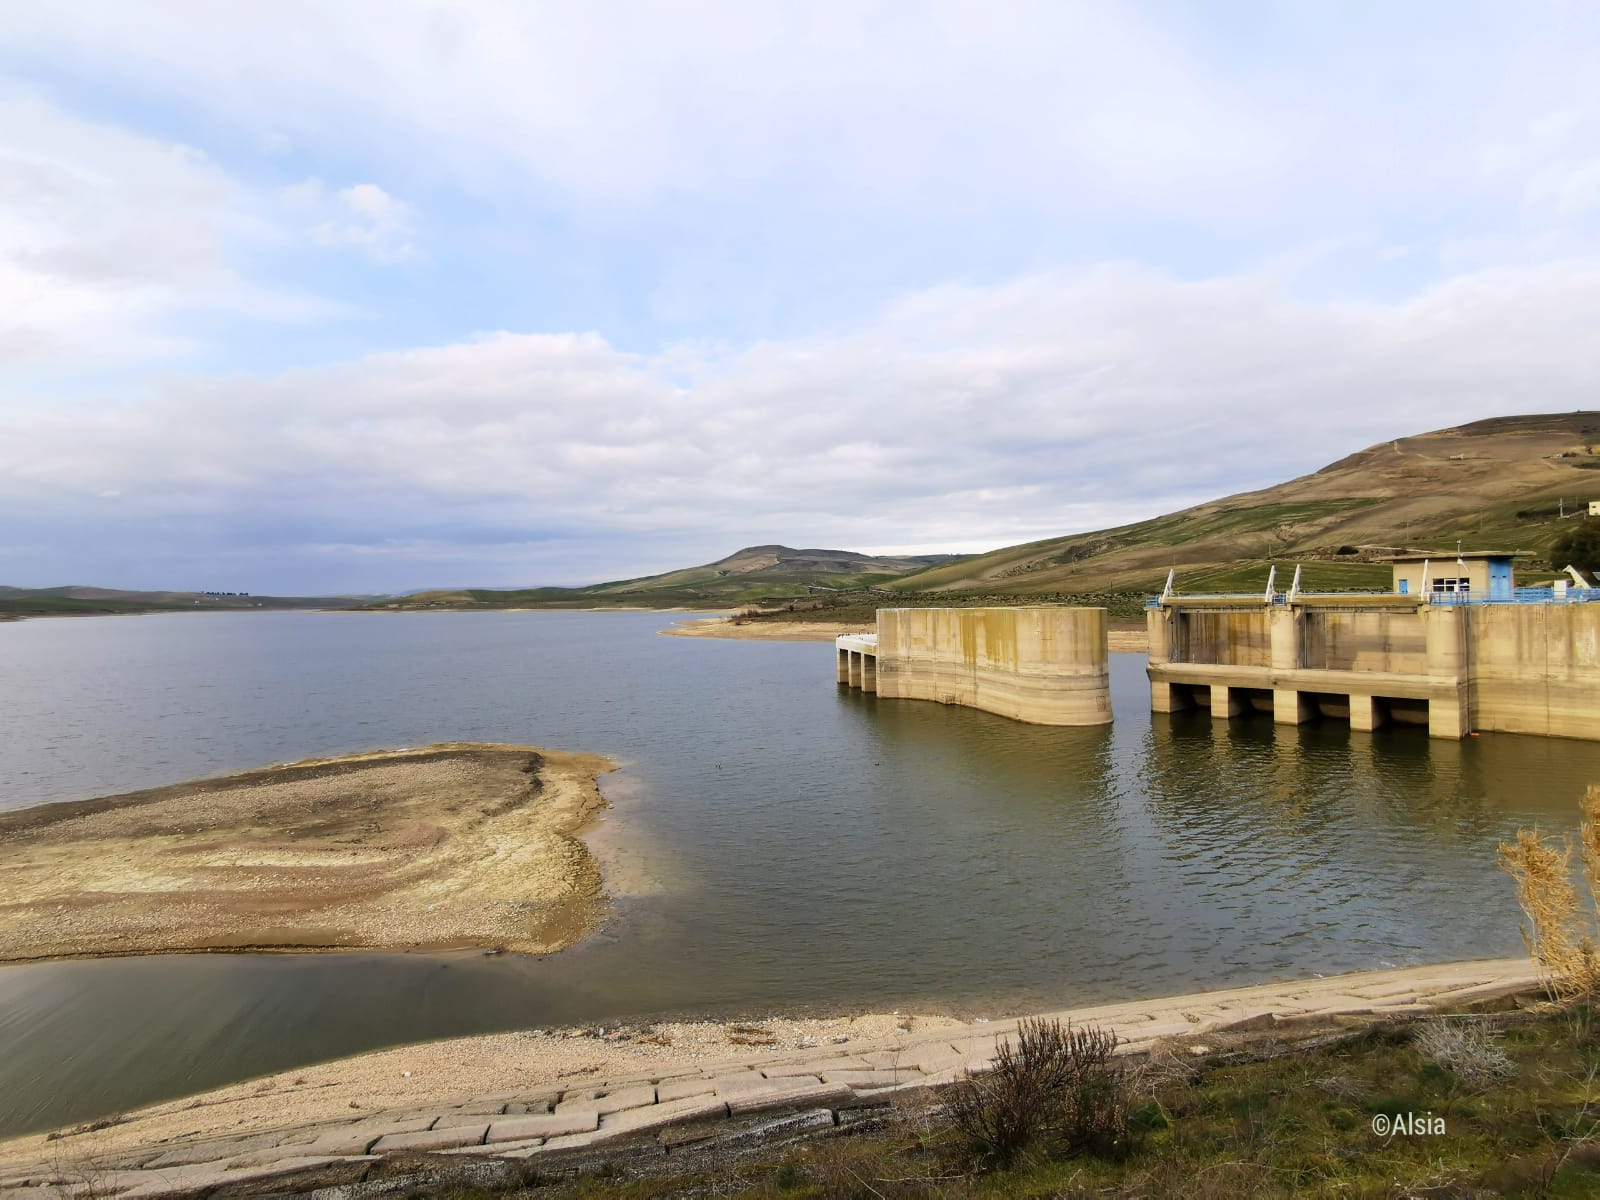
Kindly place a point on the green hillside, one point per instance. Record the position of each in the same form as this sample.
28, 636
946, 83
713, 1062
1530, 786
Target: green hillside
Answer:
756, 575
1497, 484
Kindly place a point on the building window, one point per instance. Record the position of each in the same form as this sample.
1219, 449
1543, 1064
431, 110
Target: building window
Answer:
1452, 585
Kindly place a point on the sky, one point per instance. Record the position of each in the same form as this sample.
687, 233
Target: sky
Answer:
318, 296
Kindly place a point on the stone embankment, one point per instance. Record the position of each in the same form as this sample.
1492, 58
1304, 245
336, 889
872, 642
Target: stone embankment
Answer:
227, 1139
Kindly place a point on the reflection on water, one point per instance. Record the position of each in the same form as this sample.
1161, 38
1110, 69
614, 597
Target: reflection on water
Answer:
776, 841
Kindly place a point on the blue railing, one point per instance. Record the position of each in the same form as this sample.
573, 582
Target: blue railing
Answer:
1575, 595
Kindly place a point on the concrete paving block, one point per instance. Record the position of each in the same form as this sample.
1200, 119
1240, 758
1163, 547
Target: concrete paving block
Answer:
456, 1120
205, 1176
578, 1095
505, 1149
930, 1063
1334, 1002
886, 1060
499, 1149
515, 1109
397, 1123
781, 1094
872, 1079
625, 1098
345, 1141
543, 1125
682, 1089
740, 1081
1392, 992
210, 1151
655, 1116
1479, 991
784, 1070
572, 1141
431, 1139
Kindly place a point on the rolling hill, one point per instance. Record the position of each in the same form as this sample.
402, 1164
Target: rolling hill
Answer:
753, 575
78, 600
1495, 484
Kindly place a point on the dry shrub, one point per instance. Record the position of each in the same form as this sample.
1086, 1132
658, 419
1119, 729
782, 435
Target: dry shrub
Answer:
1058, 1089
1468, 1051
1561, 933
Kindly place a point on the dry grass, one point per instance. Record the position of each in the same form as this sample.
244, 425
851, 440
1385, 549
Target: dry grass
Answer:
1562, 933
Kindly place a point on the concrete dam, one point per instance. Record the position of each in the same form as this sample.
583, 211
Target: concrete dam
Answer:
1510, 668
1456, 661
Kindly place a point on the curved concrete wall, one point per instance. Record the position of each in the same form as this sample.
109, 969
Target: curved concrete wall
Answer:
1047, 666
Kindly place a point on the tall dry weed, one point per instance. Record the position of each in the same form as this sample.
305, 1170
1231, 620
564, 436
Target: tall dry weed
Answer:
1562, 934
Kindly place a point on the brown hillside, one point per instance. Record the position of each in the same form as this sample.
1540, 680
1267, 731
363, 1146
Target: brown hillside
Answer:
1491, 484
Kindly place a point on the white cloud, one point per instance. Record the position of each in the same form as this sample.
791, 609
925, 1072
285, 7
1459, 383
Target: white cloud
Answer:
107, 237
620, 104
363, 215
961, 415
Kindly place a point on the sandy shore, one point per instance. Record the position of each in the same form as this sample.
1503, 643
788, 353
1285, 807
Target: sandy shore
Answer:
457, 845
765, 631
434, 1072
1130, 638
478, 1073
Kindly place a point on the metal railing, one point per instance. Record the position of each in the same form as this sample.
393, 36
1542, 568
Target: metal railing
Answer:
1529, 595
1574, 595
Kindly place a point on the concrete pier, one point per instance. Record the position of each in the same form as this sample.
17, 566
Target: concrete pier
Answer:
1376, 659
1046, 666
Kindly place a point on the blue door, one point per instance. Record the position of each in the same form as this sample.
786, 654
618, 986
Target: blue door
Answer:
1499, 579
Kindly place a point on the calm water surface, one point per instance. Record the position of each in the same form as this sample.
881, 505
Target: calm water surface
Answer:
775, 842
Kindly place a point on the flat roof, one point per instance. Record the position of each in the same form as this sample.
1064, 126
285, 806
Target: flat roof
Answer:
1441, 555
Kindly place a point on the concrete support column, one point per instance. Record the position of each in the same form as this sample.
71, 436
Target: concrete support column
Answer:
1445, 634
1158, 625
1167, 697
1449, 715
869, 672
855, 668
1449, 707
1287, 627
1291, 708
1366, 713
1224, 703
844, 666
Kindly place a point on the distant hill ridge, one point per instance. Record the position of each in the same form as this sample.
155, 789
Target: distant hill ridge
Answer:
1501, 483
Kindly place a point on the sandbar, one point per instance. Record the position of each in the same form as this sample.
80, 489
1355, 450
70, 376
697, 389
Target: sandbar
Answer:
448, 846
764, 630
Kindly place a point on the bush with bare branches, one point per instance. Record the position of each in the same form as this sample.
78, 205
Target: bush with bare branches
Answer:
1058, 1089
1561, 933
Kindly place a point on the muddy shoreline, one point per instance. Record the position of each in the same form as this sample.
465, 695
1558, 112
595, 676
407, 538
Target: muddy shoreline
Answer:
451, 846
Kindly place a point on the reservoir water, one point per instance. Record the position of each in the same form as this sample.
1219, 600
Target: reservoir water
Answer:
776, 843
